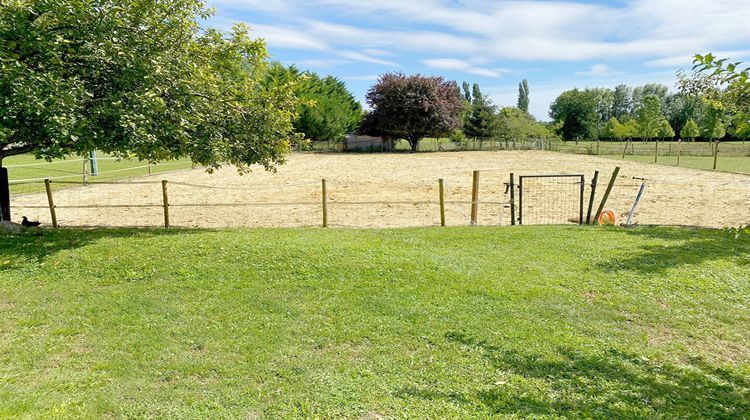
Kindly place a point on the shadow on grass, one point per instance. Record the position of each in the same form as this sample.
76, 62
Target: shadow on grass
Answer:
34, 245
677, 247
609, 384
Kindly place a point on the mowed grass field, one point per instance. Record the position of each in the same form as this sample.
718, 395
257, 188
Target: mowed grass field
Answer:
451, 322
738, 164
733, 156
26, 167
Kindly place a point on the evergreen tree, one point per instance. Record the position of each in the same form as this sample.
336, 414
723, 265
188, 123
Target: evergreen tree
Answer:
467, 92
481, 120
523, 95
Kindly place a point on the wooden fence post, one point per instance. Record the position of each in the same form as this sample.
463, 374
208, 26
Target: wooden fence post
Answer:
474, 198
166, 202
606, 193
597, 147
512, 187
591, 198
442, 202
51, 203
679, 150
625, 150
325, 203
656, 151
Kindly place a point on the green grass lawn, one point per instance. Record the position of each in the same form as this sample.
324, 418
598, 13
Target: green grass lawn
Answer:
733, 156
450, 322
72, 170
737, 164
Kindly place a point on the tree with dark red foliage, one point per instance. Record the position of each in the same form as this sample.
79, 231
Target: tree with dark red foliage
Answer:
413, 107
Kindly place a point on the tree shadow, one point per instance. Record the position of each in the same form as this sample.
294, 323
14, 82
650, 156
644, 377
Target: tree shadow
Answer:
612, 383
35, 245
678, 247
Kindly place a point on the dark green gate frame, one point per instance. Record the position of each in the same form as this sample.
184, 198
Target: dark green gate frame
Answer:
581, 182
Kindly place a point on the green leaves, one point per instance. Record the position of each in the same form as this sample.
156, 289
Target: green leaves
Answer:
137, 78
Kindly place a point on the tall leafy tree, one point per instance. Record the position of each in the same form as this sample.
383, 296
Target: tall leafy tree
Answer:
577, 113
515, 124
140, 78
712, 124
735, 99
621, 102
523, 95
649, 117
650, 89
681, 107
612, 129
414, 107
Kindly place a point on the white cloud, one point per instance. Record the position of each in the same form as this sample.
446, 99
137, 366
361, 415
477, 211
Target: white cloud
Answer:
599, 70
459, 65
522, 30
358, 56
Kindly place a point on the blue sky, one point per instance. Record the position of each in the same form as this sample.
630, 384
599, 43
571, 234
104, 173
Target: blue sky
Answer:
556, 45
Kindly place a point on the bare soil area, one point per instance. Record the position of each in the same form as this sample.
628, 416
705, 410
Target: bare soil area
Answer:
399, 190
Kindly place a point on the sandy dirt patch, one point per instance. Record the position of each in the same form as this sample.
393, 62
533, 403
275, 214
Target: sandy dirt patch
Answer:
405, 189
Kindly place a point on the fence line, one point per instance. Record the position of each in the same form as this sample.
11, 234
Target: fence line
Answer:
330, 203
554, 195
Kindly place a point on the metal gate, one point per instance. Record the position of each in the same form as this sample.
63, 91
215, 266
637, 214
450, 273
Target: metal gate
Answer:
550, 199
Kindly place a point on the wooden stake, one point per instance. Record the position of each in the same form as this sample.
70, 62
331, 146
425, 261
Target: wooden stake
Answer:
166, 202
597, 147
325, 203
679, 150
51, 203
512, 187
591, 198
607, 192
442, 202
656, 152
474, 198
625, 150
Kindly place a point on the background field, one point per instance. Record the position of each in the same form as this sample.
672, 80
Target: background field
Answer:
26, 167
455, 322
396, 190
733, 156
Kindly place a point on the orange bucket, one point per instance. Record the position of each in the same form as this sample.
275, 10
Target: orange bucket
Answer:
607, 218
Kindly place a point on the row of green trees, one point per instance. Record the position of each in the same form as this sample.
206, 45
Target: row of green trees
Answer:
648, 111
326, 110
484, 120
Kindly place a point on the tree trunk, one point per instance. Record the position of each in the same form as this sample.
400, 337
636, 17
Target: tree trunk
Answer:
414, 143
4, 194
